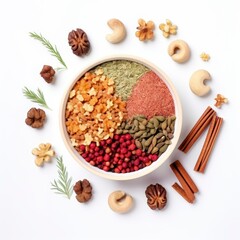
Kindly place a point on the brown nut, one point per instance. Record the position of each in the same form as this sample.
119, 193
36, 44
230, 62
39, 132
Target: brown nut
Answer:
79, 42
83, 189
35, 117
47, 73
120, 202
156, 196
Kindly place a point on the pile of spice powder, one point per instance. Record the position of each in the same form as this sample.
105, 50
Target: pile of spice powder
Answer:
150, 97
125, 74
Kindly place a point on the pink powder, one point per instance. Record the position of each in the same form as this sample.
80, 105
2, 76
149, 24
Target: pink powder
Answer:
150, 97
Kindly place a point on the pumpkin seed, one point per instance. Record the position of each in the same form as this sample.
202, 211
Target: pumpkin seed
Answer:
138, 144
135, 122
153, 131
168, 142
150, 125
144, 135
159, 135
142, 127
144, 122
155, 123
155, 149
123, 124
160, 118
119, 131
148, 142
154, 141
163, 148
164, 125
159, 145
138, 134
169, 121
150, 148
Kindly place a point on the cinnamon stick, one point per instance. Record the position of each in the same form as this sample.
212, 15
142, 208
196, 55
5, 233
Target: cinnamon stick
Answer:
197, 130
181, 192
208, 144
186, 176
185, 180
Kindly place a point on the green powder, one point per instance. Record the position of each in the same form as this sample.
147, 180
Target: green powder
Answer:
125, 74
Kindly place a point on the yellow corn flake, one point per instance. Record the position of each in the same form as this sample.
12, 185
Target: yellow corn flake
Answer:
110, 90
109, 104
100, 130
99, 71
102, 78
72, 93
82, 127
88, 139
80, 97
87, 107
110, 82
92, 92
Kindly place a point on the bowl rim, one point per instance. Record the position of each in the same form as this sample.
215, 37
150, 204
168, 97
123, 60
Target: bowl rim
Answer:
146, 170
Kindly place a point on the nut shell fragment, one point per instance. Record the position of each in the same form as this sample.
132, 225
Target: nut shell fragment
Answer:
78, 40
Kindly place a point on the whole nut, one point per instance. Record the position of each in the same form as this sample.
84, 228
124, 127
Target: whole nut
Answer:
156, 196
79, 42
47, 73
197, 82
179, 51
119, 31
35, 117
120, 202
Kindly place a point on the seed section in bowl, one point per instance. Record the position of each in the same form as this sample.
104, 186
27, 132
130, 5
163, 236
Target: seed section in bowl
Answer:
120, 116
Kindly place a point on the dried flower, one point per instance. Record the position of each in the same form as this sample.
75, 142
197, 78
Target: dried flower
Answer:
168, 28
205, 57
220, 100
145, 30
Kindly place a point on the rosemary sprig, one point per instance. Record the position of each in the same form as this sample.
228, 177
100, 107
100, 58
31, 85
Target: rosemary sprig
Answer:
64, 184
52, 49
35, 97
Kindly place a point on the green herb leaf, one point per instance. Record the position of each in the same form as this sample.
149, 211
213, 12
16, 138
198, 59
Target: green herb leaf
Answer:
35, 97
52, 49
64, 184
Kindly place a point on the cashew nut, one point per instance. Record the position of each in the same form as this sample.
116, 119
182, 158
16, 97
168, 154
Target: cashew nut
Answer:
197, 82
120, 201
179, 51
119, 31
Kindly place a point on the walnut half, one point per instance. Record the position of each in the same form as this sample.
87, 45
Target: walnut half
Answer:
156, 196
83, 189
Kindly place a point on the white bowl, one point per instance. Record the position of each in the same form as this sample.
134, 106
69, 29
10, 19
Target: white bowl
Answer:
146, 170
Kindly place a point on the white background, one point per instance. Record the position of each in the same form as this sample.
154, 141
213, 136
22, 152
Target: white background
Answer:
29, 209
